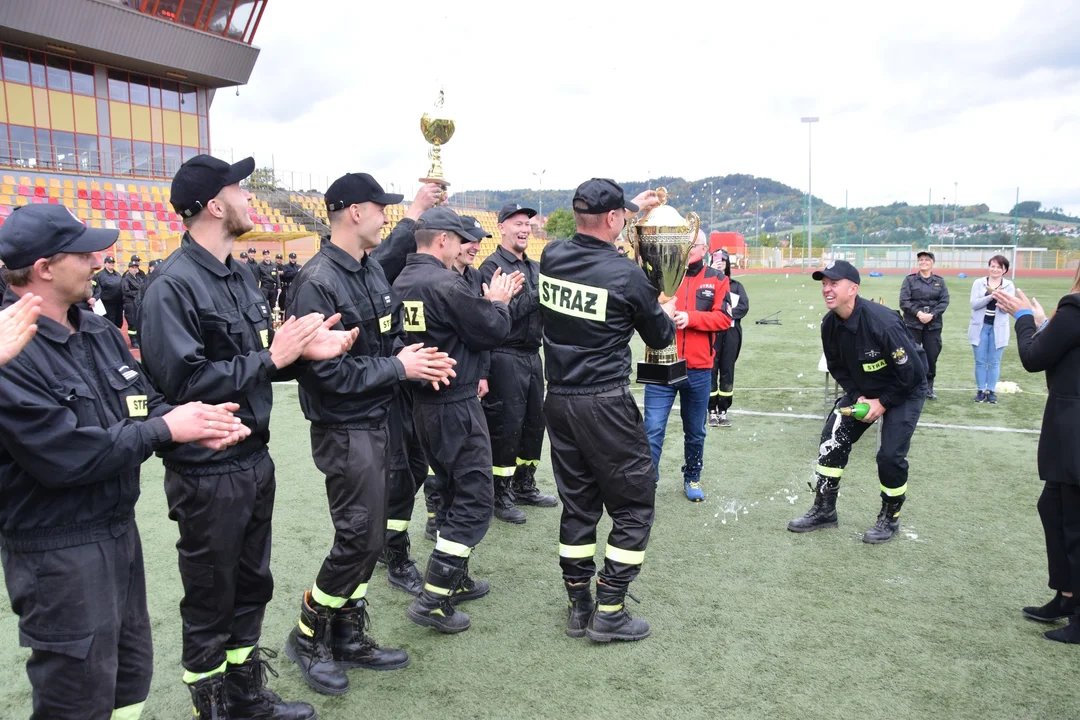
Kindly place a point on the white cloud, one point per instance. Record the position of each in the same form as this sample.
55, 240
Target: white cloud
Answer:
910, 97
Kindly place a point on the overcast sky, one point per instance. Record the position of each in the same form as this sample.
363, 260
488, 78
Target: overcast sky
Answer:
911, 97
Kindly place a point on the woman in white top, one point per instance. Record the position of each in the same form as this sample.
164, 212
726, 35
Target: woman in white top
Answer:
988, 331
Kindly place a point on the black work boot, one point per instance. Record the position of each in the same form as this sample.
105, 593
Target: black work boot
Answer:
930, 394
432, 607
822, 513
611, 621
354, 648
581, 608
208, 698
1059, 608
525, 490
401, 572
470, 588
888, 522
248, 698
431, 501
309, 647
1068, 634
505, 509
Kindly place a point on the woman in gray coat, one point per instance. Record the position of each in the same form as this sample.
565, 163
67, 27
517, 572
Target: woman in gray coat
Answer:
988, 331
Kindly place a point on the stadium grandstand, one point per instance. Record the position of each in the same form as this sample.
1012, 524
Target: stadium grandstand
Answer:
102, 100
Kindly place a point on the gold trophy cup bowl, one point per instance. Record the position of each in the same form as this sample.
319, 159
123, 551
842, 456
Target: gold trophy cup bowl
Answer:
437, 131
662, 239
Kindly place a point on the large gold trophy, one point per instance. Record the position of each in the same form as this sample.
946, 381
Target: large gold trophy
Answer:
437, 130
662, 240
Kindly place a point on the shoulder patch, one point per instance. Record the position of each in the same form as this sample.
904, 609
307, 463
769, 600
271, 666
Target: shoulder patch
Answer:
899, 356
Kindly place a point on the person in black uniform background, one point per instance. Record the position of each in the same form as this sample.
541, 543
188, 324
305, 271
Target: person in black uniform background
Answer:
111, 294
207, 333
923, 300
131, 289
592, 302
253, 264
442, 311
268, 280
873, 358
514, 405
348, 402
77, 420
728, 347
287, 276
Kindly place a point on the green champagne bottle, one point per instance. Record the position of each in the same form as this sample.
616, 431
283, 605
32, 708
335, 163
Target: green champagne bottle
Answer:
857, 411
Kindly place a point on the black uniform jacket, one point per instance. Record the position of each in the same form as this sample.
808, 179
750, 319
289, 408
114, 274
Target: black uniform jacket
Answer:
527, 331
738, 310
1056, 349
268, 275
108, 282
919, 293
131, 287
356, 388
592, 301
442, 310
289, 272
206, 332
872, 354
77, 419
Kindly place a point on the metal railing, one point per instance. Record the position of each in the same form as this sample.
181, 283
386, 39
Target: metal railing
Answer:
43, 157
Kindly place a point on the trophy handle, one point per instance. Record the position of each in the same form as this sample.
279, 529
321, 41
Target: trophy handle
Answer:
694, 223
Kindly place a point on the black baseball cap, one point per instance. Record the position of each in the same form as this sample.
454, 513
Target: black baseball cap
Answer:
440, 218
838, 270
135, 258
511, 209
927, 253
266, 252
243, 256
601, 195
474, 229
356, 188
109, 259
251, 250
133, 263
292, 256
278, 256
200, 179
33, 232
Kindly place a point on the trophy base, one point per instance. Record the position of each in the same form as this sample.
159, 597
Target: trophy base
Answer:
661, 373
436, 180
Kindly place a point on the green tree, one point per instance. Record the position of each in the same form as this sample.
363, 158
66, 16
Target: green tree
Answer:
261, 179
560, 224
1030, 235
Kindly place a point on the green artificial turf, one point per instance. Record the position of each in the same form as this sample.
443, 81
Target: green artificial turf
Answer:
748, 620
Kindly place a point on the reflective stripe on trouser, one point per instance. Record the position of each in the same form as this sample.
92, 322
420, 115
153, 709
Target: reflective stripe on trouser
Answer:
728, 345
408, 468
104, 659
600, 457
897, 426
455, 437
514, 409
131, 315
129, 712
354, 463
223, 513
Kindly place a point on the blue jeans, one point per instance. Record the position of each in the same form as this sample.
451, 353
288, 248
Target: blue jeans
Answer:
987, 360
694, 406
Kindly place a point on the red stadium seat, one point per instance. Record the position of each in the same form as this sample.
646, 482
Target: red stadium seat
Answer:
125, 225
112, 215
84, 195
110, 196
24, 190
39, 192
97, 204
95, 194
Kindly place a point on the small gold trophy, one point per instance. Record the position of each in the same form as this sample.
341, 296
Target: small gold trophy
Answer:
437, 130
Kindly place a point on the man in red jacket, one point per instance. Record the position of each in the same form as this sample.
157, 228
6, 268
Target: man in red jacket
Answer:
702, 309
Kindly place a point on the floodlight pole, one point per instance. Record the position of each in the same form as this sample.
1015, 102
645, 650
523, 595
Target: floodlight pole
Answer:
810, 187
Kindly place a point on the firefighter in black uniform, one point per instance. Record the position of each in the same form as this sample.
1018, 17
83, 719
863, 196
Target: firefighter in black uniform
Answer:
77, 419
207, 333
442, 311
268, 280
108, 283
923, 300
348, 402
252, 263
728, 346
592, 302
288, 274
873, 358
514, 405
131, 290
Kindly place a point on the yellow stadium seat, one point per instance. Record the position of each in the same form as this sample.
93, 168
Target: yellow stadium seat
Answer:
9, 180
69, 193
69, 184
7, 189
39, 182
54, 183
94, 185
83, 214
54, 192
22, 200
69, 203
82, 185
23, 180
108, 187
142, 189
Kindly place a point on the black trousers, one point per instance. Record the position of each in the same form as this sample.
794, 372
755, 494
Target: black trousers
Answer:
271, 298
514, 408
408, 470
1059, 510
131, 314
728, 345
930, 340
455, 437
223, 513
600, 457
114, 311
82, 611
897, 426
355, 465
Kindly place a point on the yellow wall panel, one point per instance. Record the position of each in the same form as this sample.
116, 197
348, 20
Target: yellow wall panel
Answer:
140, 123
155, 125
190, 126
120, 119
63, 114
41, 107
20, 104
170, 124
86, 115
3, 105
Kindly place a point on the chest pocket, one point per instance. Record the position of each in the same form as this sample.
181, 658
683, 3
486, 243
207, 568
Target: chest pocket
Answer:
132, 401
704, 298
258, 315
871, 358
75, 394
366, 317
